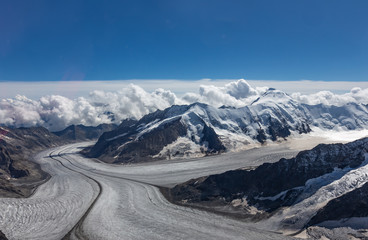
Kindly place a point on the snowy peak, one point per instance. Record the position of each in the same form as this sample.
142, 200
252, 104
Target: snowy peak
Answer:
159, 115
272, 96
275, 93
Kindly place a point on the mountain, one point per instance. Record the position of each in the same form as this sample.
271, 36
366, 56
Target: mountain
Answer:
84, 133
326, 183
351, 116
199, 129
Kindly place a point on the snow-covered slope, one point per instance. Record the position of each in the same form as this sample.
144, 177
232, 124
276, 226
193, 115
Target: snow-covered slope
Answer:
199, 129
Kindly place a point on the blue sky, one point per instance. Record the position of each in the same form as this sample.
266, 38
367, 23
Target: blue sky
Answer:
268, 40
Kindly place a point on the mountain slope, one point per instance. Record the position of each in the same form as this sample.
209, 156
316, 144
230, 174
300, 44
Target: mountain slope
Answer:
135, 141
16, 148
326, 183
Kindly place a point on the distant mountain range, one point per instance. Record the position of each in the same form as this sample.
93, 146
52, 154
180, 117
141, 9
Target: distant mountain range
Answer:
199, 129
84, 133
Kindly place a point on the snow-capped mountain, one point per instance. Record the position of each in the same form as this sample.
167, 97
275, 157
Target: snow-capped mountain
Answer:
199, 129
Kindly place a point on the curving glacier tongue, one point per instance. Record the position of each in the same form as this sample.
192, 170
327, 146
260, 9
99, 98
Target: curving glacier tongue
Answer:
53, 209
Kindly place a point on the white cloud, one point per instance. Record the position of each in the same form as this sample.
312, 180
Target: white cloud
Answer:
19, 111
55, 112
356, 95
240, 89
237, 94
74, 89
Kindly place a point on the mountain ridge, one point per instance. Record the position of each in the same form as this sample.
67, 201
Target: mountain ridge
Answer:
273, 116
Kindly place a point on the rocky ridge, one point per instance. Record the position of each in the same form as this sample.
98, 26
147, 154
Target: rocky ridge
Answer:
273, 188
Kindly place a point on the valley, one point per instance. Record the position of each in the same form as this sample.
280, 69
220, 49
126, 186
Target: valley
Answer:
88, 199
91, 198
189, 171
176, 120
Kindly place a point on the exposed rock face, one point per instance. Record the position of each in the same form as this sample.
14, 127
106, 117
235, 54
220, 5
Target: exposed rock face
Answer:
16, 147
150, 144
105, 141
6, 162
273, 185
17, 144
84, 133
211, 138
2, 236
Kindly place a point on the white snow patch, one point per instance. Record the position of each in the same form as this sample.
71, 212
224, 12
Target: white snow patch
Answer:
149, 127
181, 148
116, 137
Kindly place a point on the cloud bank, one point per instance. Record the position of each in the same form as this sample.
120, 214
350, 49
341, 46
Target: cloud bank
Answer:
56, 112
74, 89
